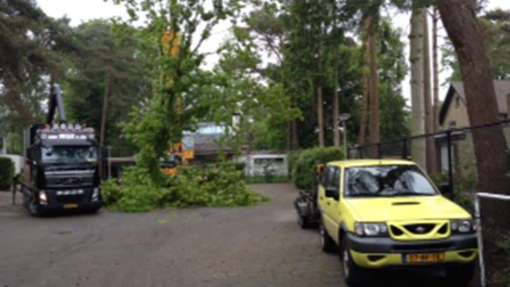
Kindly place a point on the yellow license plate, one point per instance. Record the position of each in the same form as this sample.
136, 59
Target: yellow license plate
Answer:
70, 206
424, 258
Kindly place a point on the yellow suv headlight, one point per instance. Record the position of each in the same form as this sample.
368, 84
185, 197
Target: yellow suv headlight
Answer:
372, 229
462, 226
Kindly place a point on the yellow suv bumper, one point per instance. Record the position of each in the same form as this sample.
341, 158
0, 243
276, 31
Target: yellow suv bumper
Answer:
386, 252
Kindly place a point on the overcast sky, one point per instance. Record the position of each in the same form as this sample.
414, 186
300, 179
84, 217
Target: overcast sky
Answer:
83, 10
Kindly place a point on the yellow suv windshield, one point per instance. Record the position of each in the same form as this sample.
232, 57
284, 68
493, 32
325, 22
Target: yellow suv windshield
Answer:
387, 181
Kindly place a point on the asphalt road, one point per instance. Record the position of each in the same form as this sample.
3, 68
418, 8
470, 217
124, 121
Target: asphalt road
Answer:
252, 246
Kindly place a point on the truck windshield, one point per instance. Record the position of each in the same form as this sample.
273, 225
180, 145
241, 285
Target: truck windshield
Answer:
69, 154
387, 181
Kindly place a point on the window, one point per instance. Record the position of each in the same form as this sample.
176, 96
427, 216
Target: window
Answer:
332, 182
336, 178
328, 179
68, 154
332, 177
387, 181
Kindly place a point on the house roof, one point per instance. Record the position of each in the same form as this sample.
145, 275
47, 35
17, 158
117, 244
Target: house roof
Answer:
502, 88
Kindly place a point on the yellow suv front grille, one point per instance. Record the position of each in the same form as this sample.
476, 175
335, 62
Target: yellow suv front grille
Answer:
419, 230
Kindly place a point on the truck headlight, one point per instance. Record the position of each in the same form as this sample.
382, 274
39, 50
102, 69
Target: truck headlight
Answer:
95, 194
371, 229
462, 226
43, 198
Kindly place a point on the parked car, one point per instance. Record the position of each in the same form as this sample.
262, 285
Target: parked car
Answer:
388, 214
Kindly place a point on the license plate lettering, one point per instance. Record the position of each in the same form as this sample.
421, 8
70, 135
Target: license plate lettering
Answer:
70, 206
424, 258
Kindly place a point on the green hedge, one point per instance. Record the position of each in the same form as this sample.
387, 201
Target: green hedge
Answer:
303, 170
6, 173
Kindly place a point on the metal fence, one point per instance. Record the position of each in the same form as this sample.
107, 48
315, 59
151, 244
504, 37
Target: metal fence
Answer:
449, 157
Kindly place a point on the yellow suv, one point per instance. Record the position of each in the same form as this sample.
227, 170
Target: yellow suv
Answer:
388, 214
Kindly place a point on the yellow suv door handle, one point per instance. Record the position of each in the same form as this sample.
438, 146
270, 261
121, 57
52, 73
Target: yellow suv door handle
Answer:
321, 197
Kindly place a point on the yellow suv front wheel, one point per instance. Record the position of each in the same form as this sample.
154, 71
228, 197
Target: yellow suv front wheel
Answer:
328, 245
353, 274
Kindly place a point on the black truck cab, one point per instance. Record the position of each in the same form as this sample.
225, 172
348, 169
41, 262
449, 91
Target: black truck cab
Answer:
62, 169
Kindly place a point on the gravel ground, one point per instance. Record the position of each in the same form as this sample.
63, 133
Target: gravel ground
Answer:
251, 246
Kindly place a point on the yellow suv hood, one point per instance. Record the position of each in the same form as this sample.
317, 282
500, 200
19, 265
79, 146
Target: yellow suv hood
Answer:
404, 208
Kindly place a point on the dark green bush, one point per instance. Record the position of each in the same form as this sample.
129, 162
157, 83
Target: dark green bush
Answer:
6, 173
292, 158
303, 171
213, 185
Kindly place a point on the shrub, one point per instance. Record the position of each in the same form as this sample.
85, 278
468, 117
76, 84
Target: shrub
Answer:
136, 193
214, 185
303, 172
292, 158
6, 173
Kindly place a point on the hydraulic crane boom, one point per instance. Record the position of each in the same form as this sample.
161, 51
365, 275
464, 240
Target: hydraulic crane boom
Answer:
56, 102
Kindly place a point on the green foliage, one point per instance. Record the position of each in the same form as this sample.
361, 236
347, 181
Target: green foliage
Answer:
292, 158
263, 108
496, 24
109, 63
26, 57
214, 185
220, 185
304, 171
178, 83
6, 173
136, 193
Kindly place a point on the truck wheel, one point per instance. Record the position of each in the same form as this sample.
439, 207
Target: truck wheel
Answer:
327, 243
33, 210
460, 275
353, 274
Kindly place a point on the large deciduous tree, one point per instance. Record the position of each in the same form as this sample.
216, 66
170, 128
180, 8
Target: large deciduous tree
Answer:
175, 32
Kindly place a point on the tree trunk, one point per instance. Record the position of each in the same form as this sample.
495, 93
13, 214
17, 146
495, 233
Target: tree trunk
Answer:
336, 118
435, 67
362, 134
320, 115
104, 112
417, 87
427, 89
374, 127
466, 34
